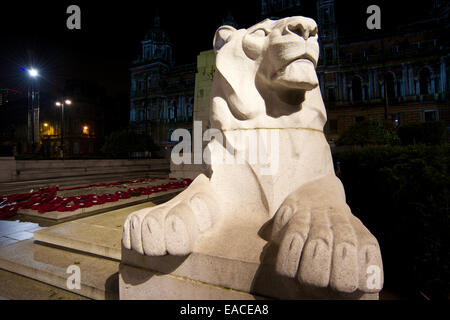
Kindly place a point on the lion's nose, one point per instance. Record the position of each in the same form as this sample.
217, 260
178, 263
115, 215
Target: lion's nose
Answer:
304, 27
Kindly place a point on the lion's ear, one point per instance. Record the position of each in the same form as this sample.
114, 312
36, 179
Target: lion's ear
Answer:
222, 36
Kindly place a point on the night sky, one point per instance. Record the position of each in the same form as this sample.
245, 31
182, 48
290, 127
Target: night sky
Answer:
35, 33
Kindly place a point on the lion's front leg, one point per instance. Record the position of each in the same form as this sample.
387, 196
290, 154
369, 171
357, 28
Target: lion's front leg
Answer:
322, 243
173, 227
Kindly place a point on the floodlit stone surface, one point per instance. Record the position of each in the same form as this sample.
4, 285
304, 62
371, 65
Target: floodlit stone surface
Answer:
283, 215
140, 284
99, 234
99, 277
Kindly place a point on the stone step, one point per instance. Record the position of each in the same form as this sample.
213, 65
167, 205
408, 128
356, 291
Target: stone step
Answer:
100, 234
99, 276
106, 207
26, 186
17, 287
92, 243
48, 174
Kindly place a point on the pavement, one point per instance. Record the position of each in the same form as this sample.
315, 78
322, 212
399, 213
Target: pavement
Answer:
16, 287
16, 230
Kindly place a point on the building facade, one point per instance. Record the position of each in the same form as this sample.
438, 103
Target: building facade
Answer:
162, 94
400, 75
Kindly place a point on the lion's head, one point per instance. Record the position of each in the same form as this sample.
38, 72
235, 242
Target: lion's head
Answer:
266, 76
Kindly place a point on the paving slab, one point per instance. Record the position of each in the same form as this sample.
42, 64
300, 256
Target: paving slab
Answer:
9, 227
22, 235
17, 287
13, 231
4, 241
99, 276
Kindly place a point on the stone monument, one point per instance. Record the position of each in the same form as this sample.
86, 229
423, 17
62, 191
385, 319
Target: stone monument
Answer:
270, 218
203, 81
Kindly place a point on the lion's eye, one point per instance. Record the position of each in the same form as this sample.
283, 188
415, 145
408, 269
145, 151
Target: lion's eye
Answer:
260, 33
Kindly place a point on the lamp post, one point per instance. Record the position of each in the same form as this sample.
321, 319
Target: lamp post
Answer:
62, 104
33, 108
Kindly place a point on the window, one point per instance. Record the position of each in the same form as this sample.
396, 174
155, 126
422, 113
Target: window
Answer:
76, 148
189, 112
390, 85
170, 134
425, 81
329, 55
356, 89
173, 110
331, 94
326, 16
430, 115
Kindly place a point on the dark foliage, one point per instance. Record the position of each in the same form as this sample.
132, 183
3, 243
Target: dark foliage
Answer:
123, 143
431, 133
370, 132
402, 195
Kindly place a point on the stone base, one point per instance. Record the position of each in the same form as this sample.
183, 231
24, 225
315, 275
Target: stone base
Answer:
234, 257
141, 284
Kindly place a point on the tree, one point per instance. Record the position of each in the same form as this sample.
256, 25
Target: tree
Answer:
122, 143
369, 132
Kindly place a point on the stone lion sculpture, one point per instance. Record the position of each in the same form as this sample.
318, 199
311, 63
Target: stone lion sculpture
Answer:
265, 83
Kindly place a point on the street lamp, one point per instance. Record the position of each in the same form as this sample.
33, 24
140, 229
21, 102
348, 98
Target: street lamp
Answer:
33, 109
62, 104
33, 73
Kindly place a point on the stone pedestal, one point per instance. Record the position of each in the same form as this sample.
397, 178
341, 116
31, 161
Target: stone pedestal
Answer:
233, 265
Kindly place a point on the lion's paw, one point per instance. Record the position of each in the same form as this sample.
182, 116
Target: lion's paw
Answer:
325, 245
170, 228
